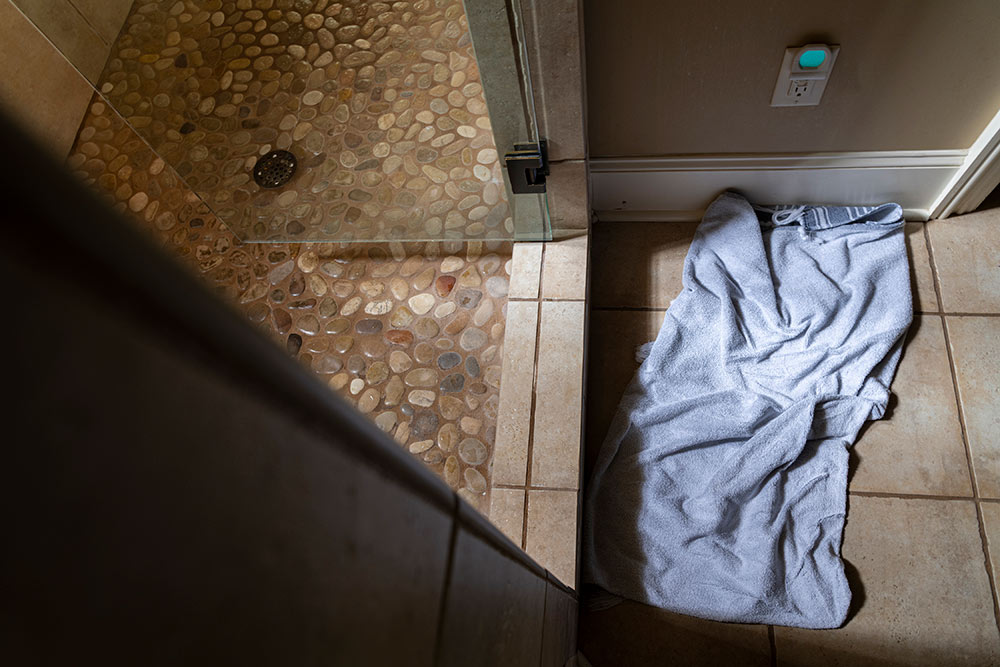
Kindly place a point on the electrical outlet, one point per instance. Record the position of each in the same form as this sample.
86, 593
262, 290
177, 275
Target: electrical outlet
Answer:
800, 89
799, 86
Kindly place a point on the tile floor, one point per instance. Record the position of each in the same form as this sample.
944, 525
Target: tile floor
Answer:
923, 533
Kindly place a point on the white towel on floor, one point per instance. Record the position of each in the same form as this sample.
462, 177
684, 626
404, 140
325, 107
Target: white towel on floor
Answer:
720, 490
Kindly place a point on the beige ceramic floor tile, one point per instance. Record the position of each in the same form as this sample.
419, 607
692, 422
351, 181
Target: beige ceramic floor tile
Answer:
510, 452
65, 27
920, 588
39, 87
967, 258
921, 278
614, 335
975, 345
564, 269
551, 538
634, 635
507, 512
639, 264
107, 16
917, 447
991, 521
526, 267
557, 429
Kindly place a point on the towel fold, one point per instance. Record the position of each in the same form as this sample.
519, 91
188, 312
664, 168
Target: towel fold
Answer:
720, 489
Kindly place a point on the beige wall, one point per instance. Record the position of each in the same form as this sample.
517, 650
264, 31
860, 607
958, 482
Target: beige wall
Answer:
668, 77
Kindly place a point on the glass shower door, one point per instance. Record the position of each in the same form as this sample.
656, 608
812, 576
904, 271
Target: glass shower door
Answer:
307, 120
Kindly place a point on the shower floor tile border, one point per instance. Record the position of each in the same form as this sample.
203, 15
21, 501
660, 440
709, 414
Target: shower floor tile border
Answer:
539, 459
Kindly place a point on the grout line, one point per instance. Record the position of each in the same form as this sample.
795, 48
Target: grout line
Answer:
640, 309
608, 226
958, 407
909, 496
534, 401
76, 137
944, 313
531, 487
548, 298
774, 646
988, 563
447, 580
524, 523
934, 273
658, 309
93, 28
545, 609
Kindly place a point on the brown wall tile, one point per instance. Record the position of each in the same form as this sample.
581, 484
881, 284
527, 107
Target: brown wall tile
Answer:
196, 485
559, 637
508, 630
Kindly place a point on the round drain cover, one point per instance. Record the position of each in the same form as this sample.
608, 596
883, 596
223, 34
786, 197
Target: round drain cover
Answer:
274, 169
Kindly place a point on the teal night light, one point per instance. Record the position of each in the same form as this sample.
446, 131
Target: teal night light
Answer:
811, 59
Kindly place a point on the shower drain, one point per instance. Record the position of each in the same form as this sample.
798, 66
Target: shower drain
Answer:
274, 169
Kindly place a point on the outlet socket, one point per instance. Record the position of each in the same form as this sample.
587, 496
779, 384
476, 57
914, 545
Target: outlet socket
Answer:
797, 87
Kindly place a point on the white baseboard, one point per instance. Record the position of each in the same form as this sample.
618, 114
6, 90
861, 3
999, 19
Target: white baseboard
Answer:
679, 188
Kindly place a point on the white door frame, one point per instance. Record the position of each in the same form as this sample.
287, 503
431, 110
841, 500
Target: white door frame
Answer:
976, 178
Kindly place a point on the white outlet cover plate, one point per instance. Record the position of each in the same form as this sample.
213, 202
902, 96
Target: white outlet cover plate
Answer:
781, 98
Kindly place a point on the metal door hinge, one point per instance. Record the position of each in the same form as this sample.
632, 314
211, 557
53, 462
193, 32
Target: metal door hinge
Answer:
527, 167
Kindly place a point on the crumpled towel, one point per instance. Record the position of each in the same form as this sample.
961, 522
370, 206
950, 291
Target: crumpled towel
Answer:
721, 487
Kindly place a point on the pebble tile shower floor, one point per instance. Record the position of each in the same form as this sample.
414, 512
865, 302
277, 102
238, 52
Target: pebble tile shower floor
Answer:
380, 102
411, 333
382, 105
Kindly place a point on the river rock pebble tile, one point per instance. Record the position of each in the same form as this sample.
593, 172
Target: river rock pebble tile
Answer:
370, 319
381, 103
